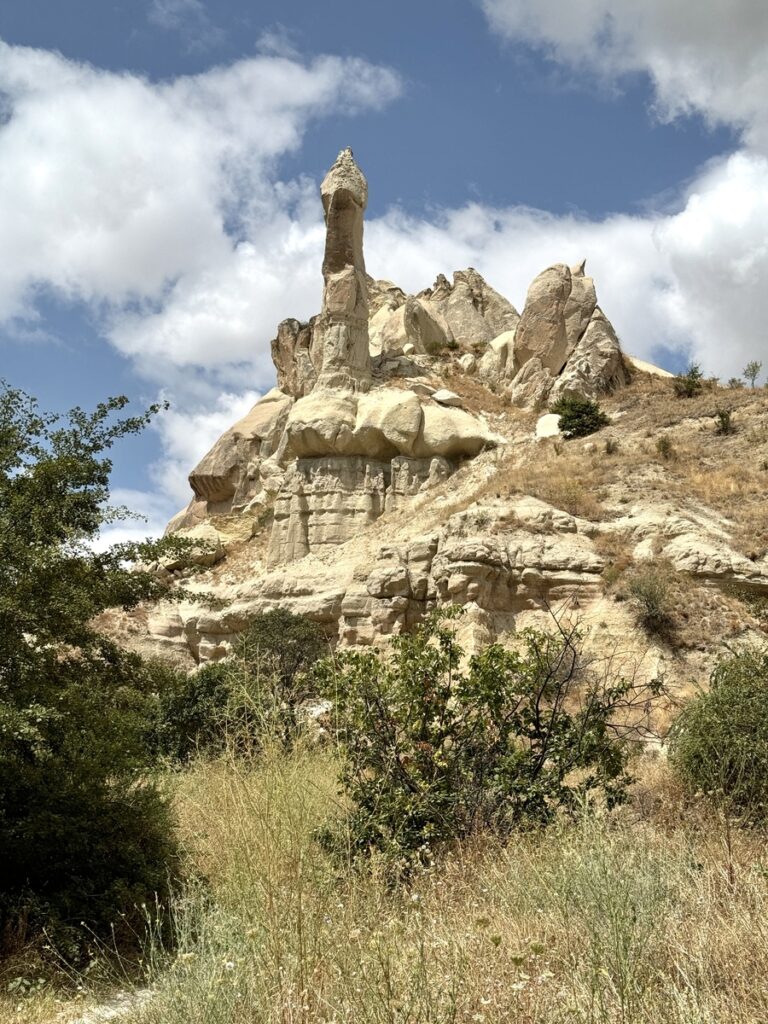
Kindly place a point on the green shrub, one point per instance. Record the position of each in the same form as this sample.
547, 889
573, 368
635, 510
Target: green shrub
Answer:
690, 383
579, 417
719, 743
752, 371
434, 754
191, 712
258, 691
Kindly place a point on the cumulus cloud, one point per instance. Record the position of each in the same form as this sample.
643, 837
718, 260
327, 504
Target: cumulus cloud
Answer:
710, 57
160, 206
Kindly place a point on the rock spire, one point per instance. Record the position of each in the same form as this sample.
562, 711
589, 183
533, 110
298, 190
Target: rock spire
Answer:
341, 331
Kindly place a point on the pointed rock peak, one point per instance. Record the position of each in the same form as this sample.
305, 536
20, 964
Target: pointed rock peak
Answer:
578, 269
345, 175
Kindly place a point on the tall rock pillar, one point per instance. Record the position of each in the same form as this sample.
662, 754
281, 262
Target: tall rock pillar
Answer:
341, 331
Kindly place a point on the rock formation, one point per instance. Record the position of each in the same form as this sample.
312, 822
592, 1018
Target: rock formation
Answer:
382, 401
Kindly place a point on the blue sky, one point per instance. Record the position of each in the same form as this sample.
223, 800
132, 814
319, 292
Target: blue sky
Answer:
159, 162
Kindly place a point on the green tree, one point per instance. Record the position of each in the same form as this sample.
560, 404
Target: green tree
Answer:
752, 371
434, 753
83, 836
579, 417
690, 383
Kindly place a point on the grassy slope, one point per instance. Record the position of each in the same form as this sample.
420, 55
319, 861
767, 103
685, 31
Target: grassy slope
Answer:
630, 919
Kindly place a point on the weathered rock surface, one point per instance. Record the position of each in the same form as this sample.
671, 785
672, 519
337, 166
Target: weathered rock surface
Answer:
531, 387
382, 398
596, 366
542, 332
227, 477
474, 312
341, 330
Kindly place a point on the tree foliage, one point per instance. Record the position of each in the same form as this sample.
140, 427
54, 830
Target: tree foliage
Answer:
579, 417
257, 692
434, 753
83, 837
719, 742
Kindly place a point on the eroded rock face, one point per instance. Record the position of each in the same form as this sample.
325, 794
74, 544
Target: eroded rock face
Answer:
292, 354
474, 312
347, 440
327, 501
227, 477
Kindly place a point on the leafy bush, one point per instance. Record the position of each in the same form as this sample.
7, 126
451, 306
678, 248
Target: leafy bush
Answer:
735, 383
259, 690
719, 743
579, 417
85, 834
434, 754
190, 712
690, 383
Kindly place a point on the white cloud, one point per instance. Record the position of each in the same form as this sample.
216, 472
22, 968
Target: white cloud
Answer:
160, 205
708, 57
187, 17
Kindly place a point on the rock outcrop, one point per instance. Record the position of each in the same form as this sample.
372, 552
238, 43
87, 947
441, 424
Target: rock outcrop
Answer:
370, 422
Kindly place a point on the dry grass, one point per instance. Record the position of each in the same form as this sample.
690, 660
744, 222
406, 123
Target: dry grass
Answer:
628, 919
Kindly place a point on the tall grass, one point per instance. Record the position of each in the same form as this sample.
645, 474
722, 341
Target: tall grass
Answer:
612, 920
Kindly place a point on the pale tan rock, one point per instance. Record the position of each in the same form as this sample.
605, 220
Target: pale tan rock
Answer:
596, 366
496, 362
531, 387
295, 357
208, 548
542, 332
341, 331
449, 398
579, 307
468, 362
227, 476
548, 425
388, 422
452, 433
322, 423
473, 311
410, 323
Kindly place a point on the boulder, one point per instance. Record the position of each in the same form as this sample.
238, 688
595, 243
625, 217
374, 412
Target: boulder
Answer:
388, 423
221, 475
452, 433
322, 423
542, 333
446, 397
